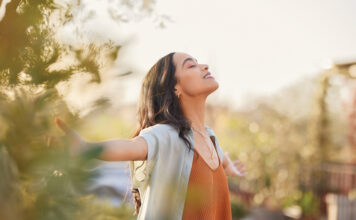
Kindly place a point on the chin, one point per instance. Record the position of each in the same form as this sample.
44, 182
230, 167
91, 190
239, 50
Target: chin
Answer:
213, 87
216, 85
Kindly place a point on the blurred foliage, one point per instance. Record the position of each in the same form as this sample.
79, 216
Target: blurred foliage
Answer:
271, 145
238, 208
277, 138
308, 202
29, 49
39, 180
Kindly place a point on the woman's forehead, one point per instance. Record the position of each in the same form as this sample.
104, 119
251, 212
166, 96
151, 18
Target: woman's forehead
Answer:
179, 57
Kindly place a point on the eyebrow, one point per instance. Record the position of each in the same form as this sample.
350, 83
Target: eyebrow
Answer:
187, 59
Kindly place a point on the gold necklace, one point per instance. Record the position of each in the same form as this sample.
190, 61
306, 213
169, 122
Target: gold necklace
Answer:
205, 137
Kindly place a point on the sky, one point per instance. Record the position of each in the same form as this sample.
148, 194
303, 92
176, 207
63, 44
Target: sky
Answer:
253, 48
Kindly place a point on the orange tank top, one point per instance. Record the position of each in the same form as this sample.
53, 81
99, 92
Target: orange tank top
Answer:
208, 193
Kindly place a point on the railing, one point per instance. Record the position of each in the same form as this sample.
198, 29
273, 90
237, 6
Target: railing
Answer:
335, 184
340, 207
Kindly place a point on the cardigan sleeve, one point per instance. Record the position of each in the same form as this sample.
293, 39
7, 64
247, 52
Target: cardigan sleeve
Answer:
151, 136
155, 137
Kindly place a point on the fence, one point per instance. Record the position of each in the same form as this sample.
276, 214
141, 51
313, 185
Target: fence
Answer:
335, 184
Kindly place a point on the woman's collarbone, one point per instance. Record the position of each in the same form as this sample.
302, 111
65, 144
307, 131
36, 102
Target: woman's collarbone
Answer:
206, 155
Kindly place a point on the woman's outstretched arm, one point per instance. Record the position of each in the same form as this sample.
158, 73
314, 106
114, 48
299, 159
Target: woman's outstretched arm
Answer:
121, 149
113, 149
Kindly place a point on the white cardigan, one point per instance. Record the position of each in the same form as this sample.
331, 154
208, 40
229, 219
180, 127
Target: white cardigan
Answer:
162, 179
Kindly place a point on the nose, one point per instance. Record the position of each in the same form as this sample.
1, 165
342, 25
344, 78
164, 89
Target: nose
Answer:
205, 66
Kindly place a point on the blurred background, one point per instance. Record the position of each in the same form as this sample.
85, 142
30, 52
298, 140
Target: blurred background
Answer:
286, 105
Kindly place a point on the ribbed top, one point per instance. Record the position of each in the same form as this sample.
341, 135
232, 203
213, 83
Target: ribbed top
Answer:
208, 193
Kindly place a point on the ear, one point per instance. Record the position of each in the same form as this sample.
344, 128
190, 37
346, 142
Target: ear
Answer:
177, 89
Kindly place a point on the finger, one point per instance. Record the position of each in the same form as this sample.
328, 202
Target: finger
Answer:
243, 173
238, 162
238, 174
240, 169
240, 166
62, 125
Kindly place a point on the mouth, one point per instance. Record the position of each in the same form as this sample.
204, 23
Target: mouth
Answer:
208, 75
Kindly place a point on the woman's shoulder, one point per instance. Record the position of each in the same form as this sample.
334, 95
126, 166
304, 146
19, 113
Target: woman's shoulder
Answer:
160, 129
162, 135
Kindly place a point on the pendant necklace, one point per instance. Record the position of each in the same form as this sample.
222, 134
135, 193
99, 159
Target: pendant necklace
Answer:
209, 143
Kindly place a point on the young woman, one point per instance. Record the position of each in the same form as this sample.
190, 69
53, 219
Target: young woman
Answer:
178, 169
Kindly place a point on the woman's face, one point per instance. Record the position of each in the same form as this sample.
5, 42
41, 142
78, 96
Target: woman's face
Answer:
194, 79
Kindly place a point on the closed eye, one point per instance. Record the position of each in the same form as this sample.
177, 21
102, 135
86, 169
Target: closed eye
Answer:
192, 66
188, 59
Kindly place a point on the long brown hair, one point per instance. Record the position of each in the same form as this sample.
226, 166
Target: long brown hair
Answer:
158, 104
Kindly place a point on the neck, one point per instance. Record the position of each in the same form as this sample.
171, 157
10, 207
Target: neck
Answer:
194, 110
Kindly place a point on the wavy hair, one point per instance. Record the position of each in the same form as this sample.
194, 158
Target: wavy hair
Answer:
158, 104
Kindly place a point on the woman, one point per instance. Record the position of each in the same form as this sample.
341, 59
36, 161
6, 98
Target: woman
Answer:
177, 167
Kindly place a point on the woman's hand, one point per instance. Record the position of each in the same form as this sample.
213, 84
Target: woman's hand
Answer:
115, 149
76, 142
233, 168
